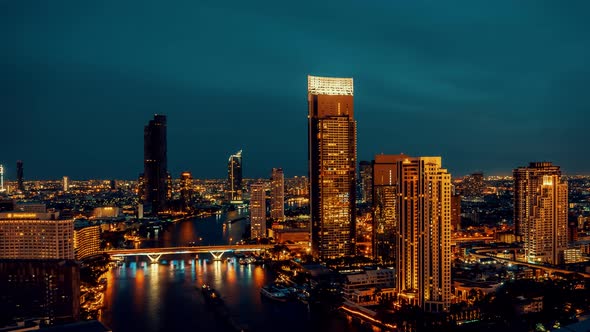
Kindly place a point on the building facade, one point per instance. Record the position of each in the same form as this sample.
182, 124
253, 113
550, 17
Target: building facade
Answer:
541, 211
186, 190
277, 195
384, 207
257, 211
234, 177
27, 235
366, 181
332, 166
86, 241
155, 158
412, 205
47, 289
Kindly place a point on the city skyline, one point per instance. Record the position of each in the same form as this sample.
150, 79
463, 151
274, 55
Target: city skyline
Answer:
458, 81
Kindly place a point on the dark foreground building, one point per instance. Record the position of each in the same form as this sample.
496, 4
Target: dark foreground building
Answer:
47, 289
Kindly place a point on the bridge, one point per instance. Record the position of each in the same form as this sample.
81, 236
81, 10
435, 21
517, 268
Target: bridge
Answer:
487, 253
154, 254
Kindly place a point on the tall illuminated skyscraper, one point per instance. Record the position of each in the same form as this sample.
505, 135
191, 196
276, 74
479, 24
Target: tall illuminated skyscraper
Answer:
277, 195
412, 204
332, 166
155, 170
234, 177
541, 211
20, 175
257, 211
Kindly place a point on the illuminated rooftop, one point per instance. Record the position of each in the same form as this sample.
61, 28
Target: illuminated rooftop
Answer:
329, 86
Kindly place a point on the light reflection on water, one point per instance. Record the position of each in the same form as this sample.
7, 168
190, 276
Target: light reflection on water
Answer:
165, 297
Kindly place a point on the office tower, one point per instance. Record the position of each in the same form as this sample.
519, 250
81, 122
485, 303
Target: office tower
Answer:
20, 175
47, 289
155, 170
186, 190
277, 195
234, 177
366, 183
27, 235
413, 206
66, 184
384, 207
86, 241
257, 211
332, 166
455, 212
113, 184
541, 211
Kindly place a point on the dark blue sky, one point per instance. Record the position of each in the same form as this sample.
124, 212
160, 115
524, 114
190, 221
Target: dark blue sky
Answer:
489, 85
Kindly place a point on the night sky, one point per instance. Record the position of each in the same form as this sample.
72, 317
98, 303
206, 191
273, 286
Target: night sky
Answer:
488, 85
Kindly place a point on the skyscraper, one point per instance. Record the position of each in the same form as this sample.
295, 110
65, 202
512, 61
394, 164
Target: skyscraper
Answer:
332, 166
186, 190
20, 175
366, 183
277, 195
234, 177
155, 171
66, 184
541, 211
413, 206
384, 207
257, 211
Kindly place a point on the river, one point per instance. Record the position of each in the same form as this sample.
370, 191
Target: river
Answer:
162, 297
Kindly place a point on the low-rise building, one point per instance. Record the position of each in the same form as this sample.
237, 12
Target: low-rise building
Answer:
369, 287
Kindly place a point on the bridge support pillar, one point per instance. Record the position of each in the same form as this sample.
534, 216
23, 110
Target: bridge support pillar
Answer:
216, 255
154, 258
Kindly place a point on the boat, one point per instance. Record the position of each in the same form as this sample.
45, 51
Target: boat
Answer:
211, 295
274, 293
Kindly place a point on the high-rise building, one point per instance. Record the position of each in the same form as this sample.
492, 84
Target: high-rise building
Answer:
384, 207
186, 190
277, 195
541, 211
413, 205
113, 184
155, 170
332, 166
27, 235
257, 211
366, 183
234, 177
455, 212
20, 175
66, 184
48, 289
